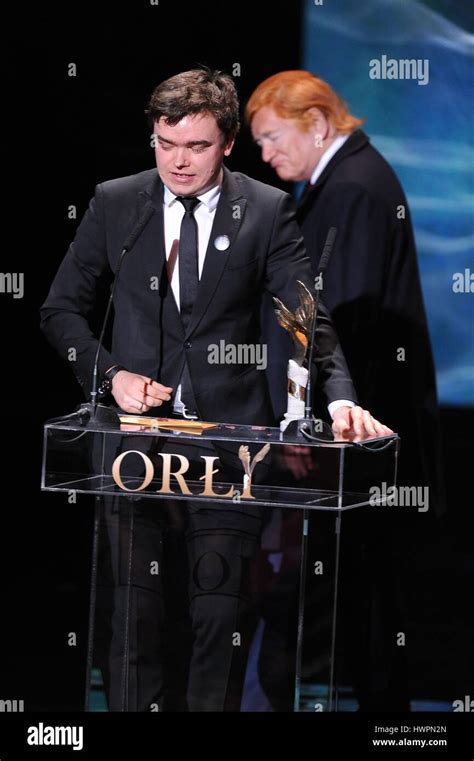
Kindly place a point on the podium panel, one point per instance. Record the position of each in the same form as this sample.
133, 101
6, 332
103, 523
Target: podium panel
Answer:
224, 562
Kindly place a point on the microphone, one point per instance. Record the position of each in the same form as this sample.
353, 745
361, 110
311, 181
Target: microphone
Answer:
91, 411
147, 213
327, 250
304, 427
323, 263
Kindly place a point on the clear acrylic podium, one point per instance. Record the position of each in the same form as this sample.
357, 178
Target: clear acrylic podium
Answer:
300, 514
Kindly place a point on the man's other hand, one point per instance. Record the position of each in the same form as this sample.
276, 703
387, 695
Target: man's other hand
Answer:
138, 393
354, 423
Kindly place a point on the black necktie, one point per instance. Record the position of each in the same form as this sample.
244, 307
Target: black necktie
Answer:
188, 259
188, 285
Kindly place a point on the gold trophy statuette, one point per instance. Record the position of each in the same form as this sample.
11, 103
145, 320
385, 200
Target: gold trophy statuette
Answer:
299, 324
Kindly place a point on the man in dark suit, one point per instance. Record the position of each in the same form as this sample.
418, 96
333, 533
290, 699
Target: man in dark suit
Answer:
214, 243
372, 289
372, 285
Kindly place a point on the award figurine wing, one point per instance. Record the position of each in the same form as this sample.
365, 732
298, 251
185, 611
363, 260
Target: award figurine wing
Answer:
249, 465
300, 325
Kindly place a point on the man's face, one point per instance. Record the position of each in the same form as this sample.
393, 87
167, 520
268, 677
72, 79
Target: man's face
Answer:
291, 152
189, 155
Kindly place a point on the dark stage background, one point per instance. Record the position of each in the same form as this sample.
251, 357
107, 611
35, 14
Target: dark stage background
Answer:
65, 134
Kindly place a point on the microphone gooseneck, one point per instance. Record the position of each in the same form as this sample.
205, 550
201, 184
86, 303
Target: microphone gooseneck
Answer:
92, 411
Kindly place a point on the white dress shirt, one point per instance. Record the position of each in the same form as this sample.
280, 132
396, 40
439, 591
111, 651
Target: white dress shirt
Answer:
173, 216
327, 156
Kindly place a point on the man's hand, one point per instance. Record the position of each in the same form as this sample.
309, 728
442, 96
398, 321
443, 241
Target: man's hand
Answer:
137, 393
354, 423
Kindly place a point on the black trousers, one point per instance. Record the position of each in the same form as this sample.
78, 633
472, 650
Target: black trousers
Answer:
175, 611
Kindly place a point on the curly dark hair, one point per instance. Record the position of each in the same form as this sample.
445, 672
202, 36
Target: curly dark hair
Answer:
194, 92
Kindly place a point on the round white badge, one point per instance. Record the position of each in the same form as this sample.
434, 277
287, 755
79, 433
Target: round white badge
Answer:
222, 242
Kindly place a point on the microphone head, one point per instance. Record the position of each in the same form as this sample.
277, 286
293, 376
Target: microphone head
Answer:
327, 250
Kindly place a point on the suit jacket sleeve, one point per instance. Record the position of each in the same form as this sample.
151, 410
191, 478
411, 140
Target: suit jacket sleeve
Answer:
66, 313
287, 262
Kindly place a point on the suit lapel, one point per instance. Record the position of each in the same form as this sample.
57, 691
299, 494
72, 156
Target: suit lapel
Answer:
154, 243
228, 218
154, 233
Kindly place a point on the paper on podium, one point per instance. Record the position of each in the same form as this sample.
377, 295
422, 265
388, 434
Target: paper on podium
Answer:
192, 426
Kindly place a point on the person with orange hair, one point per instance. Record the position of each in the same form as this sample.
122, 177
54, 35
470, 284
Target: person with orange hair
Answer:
372, 285
372, 289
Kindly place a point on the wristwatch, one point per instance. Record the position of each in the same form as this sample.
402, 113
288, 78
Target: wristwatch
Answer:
105, 386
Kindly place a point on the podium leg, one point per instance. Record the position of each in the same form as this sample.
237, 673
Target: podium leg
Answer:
333, 686
124, 686
301, 606
92, 601
124, 674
